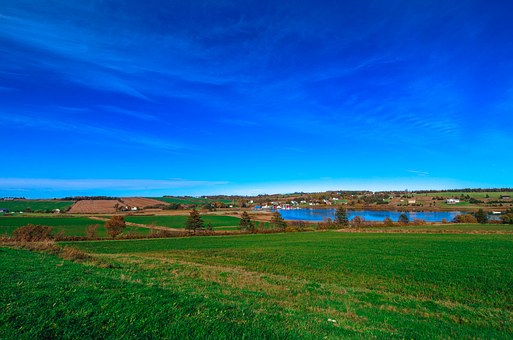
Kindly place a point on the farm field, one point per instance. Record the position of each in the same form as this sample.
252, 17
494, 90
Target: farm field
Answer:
69, 226
178, 221
450, 227
295, 285
35, 205
95, 207
141, 202
187, 200
476, 195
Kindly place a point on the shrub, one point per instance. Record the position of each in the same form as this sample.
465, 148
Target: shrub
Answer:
465, 218
387, 222
33, 233
73, 254
418, 221
91, 231
357, 222
298, 225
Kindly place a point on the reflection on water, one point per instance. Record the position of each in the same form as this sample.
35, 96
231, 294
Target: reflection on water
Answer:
317, 215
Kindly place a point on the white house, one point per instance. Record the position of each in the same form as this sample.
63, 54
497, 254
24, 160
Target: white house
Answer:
452, 201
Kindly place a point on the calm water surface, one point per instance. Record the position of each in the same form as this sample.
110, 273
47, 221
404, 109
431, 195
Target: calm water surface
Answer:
317, 215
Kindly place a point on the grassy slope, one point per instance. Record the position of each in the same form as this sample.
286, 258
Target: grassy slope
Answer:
35, 205
385, 285
70, 226
452, 227
476, 195
218, 222
187, 200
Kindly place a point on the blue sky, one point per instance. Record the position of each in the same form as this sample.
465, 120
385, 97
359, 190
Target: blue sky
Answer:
247, 97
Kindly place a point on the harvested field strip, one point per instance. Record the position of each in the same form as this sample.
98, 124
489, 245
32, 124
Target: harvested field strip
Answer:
141, 202
95, 207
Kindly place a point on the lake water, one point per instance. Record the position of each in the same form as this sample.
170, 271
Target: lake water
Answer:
317, 215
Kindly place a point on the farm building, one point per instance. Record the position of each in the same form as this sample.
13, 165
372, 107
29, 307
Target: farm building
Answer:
412, 201
452, 201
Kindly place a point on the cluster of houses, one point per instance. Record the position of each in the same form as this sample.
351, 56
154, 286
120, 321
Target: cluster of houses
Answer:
452, 201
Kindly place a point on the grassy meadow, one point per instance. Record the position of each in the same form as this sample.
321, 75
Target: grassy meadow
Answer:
293, 285
188, 200
218, 222
68, 226
35, 205
476, 195
449, 228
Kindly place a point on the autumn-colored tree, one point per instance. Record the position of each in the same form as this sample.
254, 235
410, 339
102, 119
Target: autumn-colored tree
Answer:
357, 222
464, 218
388, 222
115, 225
91, 231
194, 221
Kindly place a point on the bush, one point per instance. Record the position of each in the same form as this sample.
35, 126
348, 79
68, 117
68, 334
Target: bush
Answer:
387, 222
33, 233
298, 225
357, 222
418, 221
465, 218
327, 224
91, 231
73, 254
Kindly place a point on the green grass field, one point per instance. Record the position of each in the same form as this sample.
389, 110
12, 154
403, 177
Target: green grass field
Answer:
476, 195
69, 226
218, 222
188, 200
296, 285
450, 227
35, 205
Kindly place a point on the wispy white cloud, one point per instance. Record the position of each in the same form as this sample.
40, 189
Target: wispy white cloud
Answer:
104, 133
420, 173
52, 184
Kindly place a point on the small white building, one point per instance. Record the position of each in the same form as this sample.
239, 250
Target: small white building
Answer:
452, 201
412, 201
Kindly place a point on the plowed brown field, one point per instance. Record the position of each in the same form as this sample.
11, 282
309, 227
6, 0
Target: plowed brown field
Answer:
141, 202
95, 207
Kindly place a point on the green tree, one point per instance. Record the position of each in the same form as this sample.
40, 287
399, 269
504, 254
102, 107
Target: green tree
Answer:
115, 225
341, 216
277, 221
481, 216
403, 219
246, 223
194, 221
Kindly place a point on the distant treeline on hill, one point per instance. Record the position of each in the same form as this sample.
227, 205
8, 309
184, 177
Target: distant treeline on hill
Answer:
90, 198
464, 190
